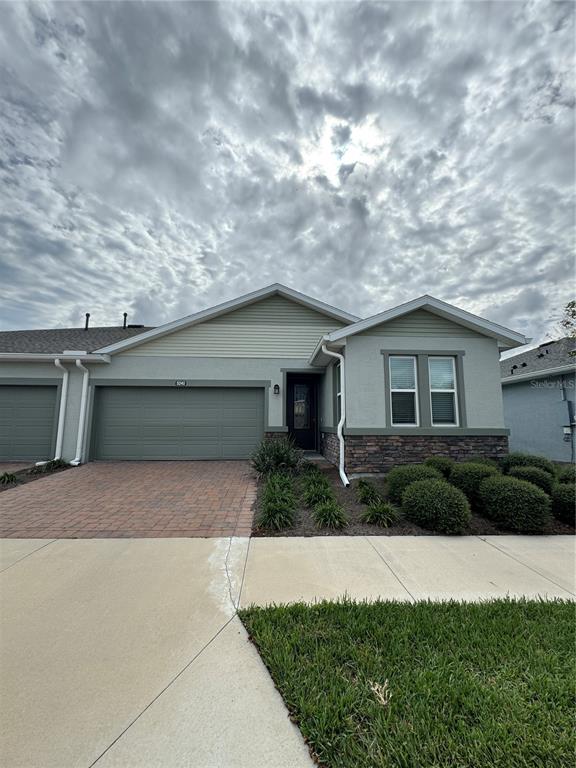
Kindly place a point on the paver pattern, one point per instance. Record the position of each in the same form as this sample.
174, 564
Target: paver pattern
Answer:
160, 499
14, 466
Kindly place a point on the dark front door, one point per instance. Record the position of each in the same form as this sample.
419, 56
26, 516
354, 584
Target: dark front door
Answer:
302, 404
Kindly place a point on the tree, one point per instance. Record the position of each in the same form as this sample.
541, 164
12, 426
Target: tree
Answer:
568, 322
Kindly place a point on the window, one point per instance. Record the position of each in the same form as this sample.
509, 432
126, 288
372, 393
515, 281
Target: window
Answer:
403, 391
443, 391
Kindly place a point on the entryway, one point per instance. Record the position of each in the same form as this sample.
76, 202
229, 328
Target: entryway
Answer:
302, 409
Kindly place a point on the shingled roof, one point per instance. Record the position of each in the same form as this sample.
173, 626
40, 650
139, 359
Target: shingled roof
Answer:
56, 340
551, 354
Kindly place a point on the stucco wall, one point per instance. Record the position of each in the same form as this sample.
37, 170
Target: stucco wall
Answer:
365, 377
536, 413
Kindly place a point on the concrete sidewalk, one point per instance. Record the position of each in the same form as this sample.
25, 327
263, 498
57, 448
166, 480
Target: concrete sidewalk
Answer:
284, 570
127, 653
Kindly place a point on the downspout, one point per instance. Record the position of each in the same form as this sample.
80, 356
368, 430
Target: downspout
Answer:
62, 410
340, 429
82, 419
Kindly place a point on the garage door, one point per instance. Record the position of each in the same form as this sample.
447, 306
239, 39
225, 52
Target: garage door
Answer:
177, 423
27, 422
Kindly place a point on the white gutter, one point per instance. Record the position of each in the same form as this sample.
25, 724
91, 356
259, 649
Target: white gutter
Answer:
543, 373
82, 419
340, 429
62, 410
26, 357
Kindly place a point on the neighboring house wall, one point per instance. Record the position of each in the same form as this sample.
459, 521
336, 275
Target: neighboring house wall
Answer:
272, 328
537, 411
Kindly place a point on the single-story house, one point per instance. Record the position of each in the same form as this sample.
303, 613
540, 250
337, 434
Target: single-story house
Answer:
419, 379
539, 389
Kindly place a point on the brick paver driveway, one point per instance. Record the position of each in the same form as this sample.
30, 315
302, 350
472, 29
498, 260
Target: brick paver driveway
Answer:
133, 499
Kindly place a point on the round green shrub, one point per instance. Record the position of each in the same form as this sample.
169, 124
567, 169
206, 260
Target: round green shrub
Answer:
316, 488
534, 475
482, 460
467, 477
436, 505
567, 474
329, 514
400, 478
563, 498
381, 513
526, 460
515, 504
367, 492
442, 463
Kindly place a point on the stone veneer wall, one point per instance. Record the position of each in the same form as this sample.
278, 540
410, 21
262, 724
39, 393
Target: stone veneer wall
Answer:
330, 447
379, 453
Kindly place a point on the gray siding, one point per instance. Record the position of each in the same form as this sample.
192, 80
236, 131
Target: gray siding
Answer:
266, 329
421, 323
368, 408
536, 413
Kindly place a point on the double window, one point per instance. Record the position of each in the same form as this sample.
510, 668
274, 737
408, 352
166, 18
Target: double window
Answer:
405, 403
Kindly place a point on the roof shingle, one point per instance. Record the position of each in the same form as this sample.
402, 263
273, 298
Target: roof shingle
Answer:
56, 340
551, 354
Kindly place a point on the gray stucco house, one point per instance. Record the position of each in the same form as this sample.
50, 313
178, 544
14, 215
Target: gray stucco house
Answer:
539, 390
419, 379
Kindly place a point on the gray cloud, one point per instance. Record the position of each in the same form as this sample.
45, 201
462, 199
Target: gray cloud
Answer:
160, 157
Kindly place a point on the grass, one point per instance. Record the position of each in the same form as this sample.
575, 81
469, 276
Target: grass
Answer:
428, 684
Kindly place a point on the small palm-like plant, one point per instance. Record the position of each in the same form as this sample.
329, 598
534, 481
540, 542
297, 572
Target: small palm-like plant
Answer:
329, 514
367, 492
8, 478
381, 513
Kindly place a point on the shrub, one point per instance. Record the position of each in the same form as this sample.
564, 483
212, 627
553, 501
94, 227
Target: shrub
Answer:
400, 478
329, 514
566, 474
526, 460
49, 466
278, 503
8, 478
467, 477
436, 505
367, 492
515, 504
534, 475
563, 497
442, 463
279, 454
381, 513
482, 460
316, 488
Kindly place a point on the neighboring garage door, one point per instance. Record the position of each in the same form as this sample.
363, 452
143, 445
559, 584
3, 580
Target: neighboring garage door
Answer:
27, 422
177, 423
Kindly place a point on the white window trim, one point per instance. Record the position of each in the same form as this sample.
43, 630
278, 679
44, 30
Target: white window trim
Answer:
453, 391
415, 390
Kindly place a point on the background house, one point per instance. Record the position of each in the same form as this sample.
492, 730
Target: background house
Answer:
539, 390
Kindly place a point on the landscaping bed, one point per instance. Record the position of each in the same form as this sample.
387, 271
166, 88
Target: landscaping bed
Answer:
304, 524
519, 494
9, 480
426, 684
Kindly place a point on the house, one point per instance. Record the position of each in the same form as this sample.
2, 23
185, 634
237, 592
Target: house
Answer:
420, 379
538, 388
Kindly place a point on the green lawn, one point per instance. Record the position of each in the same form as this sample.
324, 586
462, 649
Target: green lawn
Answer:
431, 684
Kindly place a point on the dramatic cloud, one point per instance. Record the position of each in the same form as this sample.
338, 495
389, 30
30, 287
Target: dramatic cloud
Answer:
161, 157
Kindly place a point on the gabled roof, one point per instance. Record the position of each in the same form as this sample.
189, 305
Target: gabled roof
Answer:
53, 341
229, 306
506, 338
551, 358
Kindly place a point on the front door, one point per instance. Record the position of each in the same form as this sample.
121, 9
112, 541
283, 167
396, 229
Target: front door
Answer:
302, 406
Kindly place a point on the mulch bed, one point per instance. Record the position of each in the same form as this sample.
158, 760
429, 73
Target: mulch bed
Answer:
304, 524
26, 475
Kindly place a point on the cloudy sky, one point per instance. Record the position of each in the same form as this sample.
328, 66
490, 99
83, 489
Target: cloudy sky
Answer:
158, 158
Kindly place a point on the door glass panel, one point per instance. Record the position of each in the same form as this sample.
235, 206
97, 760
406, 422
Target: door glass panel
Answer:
301, 406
